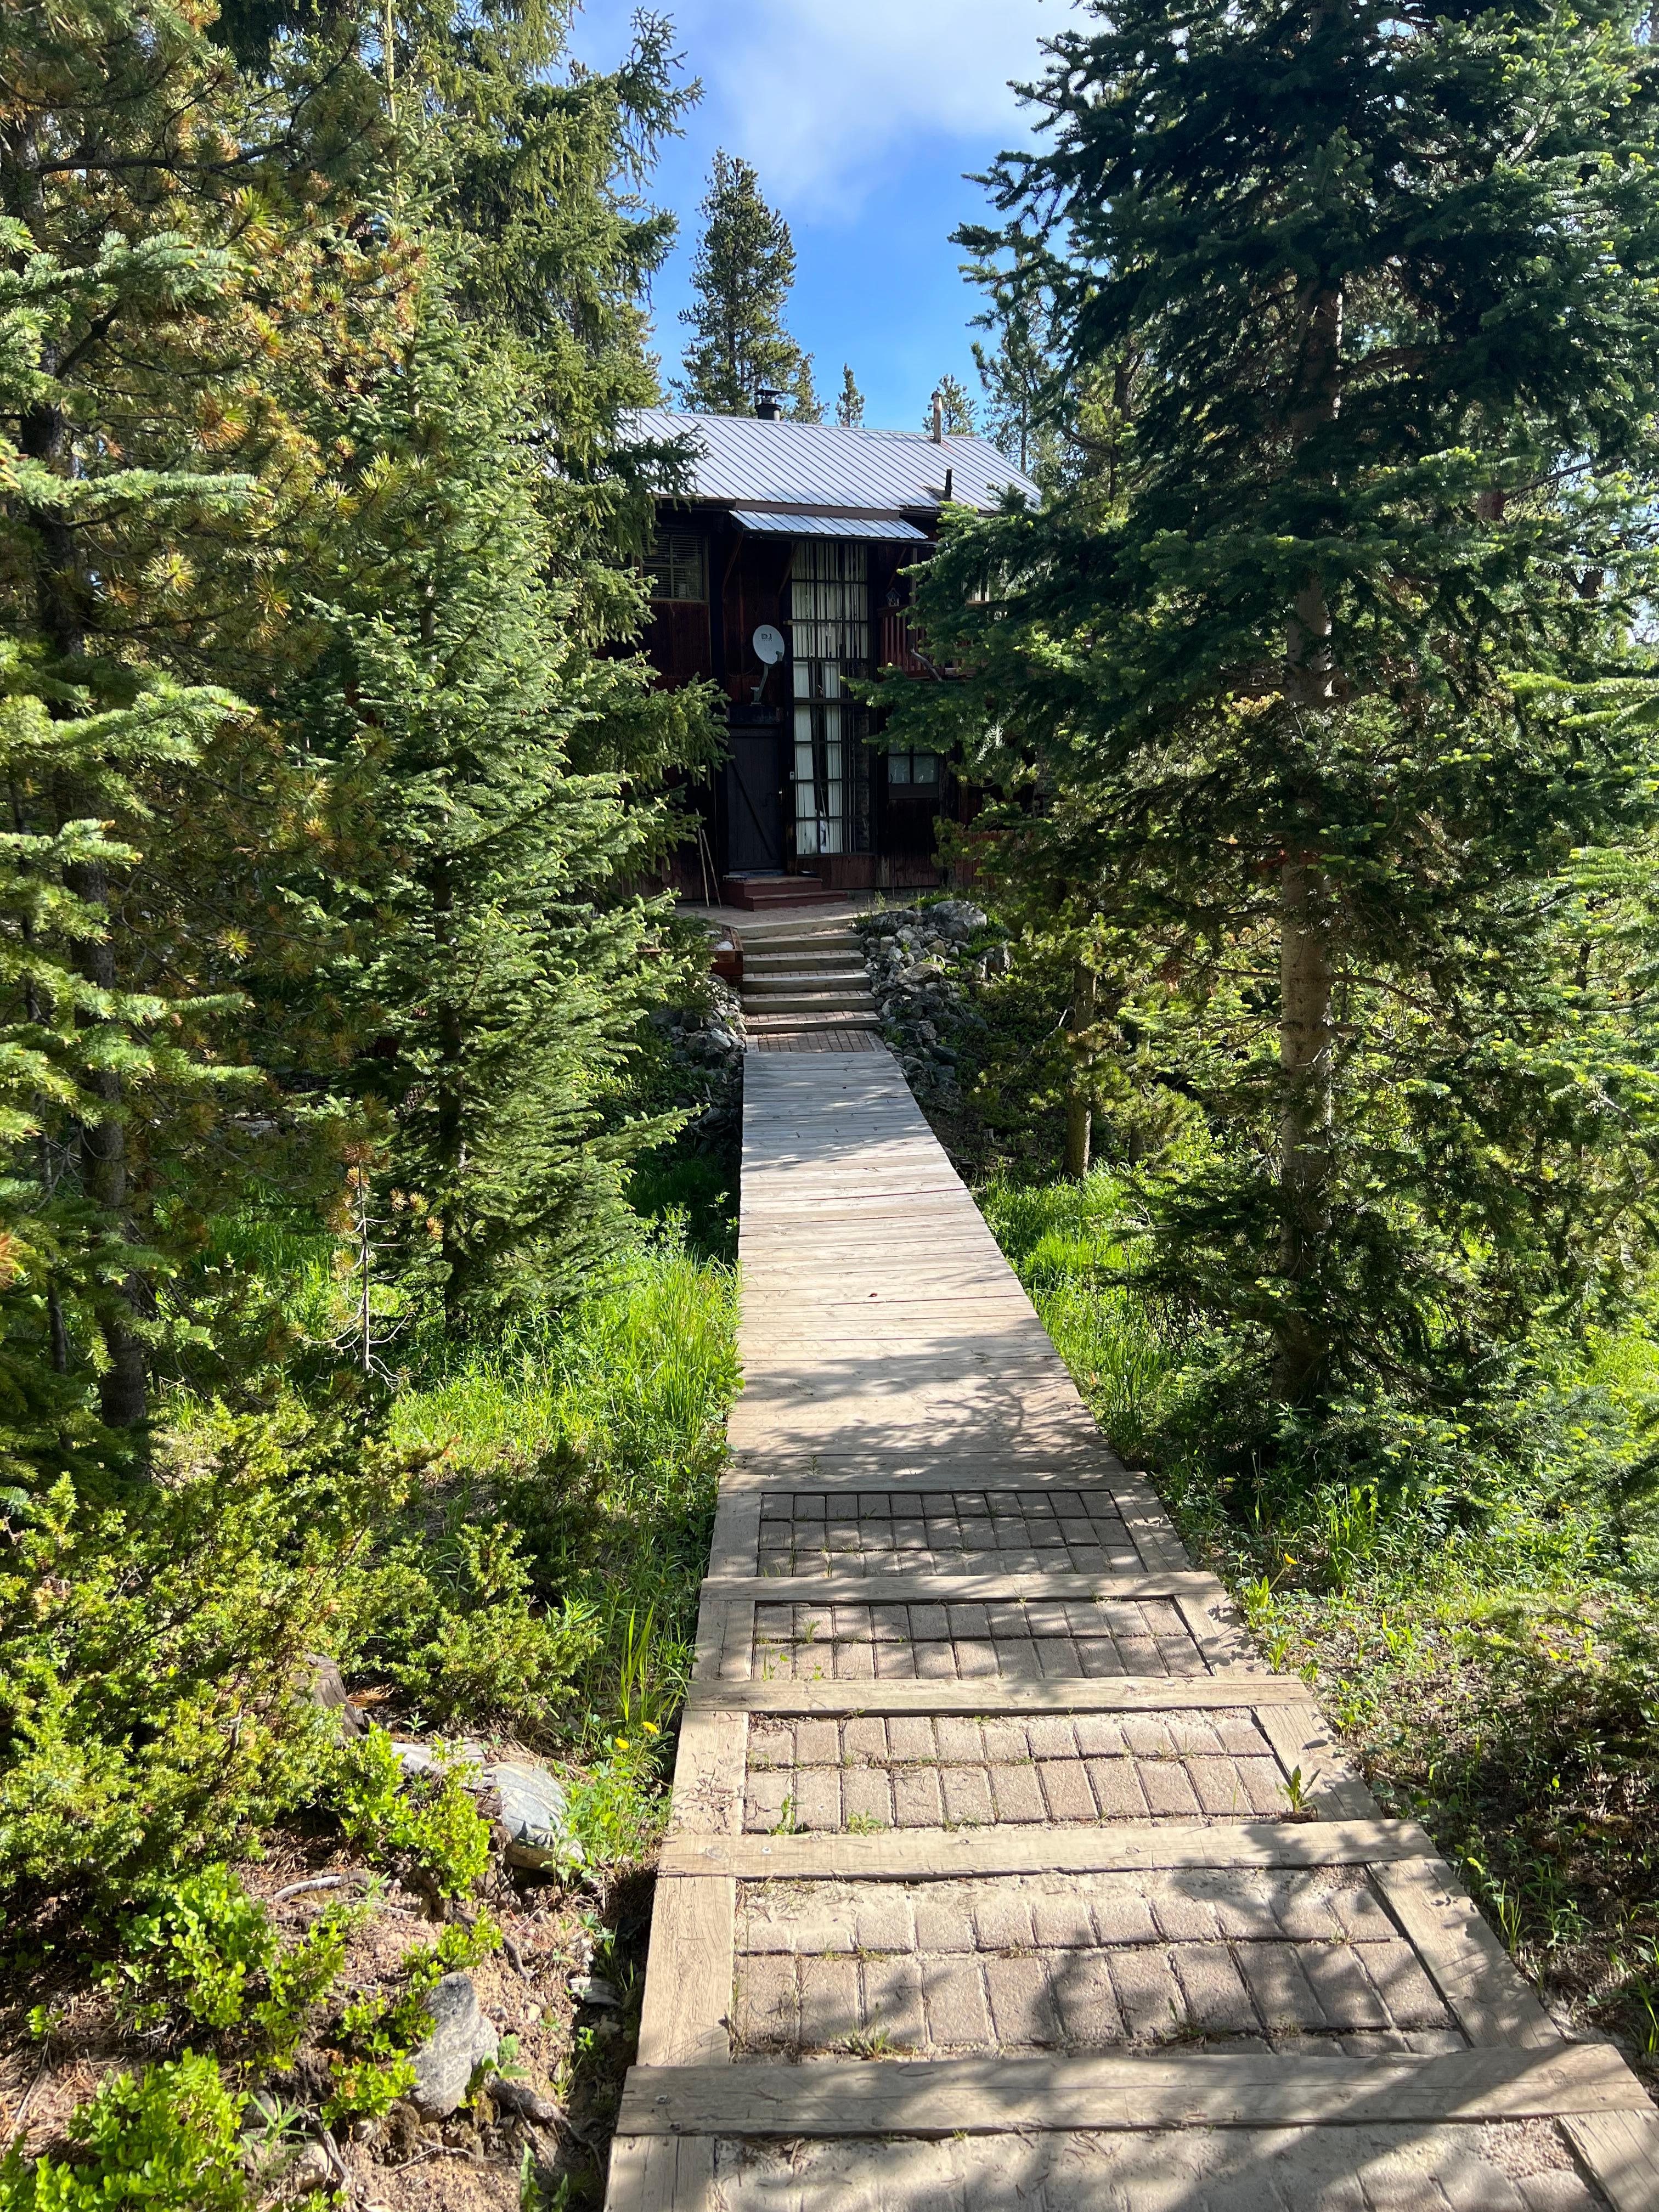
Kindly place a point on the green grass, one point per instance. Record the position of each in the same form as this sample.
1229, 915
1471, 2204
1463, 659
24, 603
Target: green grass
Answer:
1494, 1662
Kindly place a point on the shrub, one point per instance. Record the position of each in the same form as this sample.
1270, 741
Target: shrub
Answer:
372, 2069
167, 2140
428, 1821
198, 1950
151, 1648
206, 1945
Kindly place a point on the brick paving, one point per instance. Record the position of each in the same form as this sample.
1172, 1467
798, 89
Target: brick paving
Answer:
1522, 2168
1014, 1639
956, 1771
1209, 1957
945, 1532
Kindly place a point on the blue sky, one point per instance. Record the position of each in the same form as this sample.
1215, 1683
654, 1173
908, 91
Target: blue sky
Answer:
861, 117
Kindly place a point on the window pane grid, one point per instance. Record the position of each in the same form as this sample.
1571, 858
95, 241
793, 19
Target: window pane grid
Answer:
830, 626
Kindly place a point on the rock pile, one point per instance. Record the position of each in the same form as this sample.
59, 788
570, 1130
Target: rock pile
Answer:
708, 1043
923, 961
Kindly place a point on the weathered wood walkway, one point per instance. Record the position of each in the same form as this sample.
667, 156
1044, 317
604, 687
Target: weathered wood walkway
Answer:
1002, 1871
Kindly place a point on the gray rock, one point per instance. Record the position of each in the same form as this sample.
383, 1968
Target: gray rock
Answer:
591, 1989
535, 1814
420, 1759
461, 2040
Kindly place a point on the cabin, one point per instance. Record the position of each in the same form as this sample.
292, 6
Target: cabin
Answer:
779, 573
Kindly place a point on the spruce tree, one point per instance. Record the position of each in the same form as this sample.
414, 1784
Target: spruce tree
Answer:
1319, 714
491, 944
742, 275
1021, 403
849, 408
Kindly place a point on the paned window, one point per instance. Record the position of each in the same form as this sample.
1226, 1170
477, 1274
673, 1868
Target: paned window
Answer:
912, 768
677, 566
830, 626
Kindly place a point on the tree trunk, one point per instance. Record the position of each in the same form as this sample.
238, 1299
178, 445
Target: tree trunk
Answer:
1304, 969
1080, 1120
1304, 1123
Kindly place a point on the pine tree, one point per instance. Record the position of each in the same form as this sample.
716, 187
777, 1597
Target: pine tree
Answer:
489, 944
849, 408
127, 412
1320, 713
1022, 405
955, 405
744, 267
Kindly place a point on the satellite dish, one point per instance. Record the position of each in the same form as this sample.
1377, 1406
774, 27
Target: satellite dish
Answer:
769, 647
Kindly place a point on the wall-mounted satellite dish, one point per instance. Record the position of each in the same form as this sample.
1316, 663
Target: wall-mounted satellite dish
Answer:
769, 647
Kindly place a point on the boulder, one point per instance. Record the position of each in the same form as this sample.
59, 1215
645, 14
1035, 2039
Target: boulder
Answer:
460, 2041
535, 1814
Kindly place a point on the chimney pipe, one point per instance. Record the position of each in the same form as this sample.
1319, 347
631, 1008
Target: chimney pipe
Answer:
766, 404
949, 485
938, 420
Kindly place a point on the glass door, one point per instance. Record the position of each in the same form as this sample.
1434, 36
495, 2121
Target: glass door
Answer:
829, 624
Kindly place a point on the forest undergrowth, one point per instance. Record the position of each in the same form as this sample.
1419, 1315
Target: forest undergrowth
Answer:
1480, 1626
222, 1914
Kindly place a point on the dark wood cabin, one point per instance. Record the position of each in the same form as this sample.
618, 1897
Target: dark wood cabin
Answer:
779, 574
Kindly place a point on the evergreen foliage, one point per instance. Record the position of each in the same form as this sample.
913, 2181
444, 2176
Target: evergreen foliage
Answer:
1303, 737
742, 275
318, 568
849, 408
1016, 379
956, 406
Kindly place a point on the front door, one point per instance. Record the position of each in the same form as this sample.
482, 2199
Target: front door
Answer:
754, 834
829, 633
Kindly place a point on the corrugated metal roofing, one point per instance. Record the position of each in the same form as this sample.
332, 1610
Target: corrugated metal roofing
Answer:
741, 458
782, 523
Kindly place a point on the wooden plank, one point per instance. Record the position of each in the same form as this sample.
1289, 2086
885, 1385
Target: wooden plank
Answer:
1222, 1642
1209, 2089
735, 1548
710, 1638
1115, 1847
708, 1771
1621, 2150
685, 2019
752, 1469
978, 1697
662, 2174
1302, 1742
1470, 1967
632, 2184
966, 1589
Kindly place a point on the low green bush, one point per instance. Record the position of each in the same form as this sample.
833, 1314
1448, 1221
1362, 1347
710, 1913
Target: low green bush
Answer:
167, 2140
154, 1652
206, 1949
371, 2068
427, 1823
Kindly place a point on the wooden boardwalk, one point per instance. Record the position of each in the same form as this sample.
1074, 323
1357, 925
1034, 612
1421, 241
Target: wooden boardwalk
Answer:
1002, 1871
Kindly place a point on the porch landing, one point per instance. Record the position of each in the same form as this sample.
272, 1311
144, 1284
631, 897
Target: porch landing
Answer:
1002, 1871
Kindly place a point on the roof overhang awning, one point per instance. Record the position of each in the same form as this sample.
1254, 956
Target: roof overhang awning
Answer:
781, 523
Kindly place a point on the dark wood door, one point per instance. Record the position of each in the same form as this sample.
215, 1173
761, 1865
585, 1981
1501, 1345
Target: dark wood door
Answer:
755, 802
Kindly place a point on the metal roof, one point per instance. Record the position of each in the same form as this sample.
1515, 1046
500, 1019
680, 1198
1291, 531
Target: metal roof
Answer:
741, 459
780, 522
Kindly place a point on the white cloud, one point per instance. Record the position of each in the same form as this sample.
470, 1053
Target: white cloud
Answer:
819, 94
